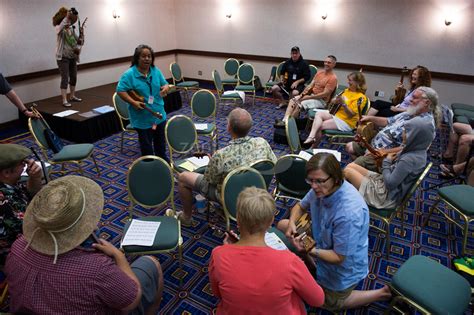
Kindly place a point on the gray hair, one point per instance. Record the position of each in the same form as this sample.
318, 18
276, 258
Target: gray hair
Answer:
240, 122
432, 96
255, 209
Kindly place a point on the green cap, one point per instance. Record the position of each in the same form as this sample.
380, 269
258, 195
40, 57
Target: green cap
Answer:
12, 154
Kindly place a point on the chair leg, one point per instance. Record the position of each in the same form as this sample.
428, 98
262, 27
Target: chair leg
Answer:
96, 166
431, 212
464, 240
121, 142
387, 241
180, 258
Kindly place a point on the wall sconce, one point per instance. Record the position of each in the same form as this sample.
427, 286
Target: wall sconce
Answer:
324, 16
228, 15
447, 21
115, 14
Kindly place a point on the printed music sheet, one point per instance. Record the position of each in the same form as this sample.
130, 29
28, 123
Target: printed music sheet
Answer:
273, 241
141, 233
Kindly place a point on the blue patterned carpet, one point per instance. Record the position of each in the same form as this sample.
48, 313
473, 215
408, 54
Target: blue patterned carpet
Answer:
438, 240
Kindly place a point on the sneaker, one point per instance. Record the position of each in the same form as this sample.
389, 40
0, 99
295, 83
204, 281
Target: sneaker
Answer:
75, 99
67, 104
184, 222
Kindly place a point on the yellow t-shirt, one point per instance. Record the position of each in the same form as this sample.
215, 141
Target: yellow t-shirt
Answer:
351, 98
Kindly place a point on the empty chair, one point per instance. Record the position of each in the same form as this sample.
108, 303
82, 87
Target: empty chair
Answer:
266, 168
121, 108
246, 75
231, 66
203, 106
274, 77
224, 96
290, 175
178, 79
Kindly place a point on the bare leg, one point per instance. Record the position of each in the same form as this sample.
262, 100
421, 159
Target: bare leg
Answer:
153, 309
361, 298
64, 95
372, 112
276, 92
465, 142
72, 89
453, 139
317, 123
185, 190
292, 110
355, 174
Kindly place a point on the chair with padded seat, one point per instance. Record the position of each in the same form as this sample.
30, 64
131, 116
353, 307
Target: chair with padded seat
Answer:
266, 168
429, 287
457, 198
181, 137
312, 70
386, 216
290, 175
231, 66
245, 76
121, 108
150, 184
292, 135
236, 181
203, 107
72, 153
178, 79
221, 94
274, 77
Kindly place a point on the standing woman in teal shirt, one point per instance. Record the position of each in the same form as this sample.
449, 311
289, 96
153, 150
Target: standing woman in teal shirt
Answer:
146, 80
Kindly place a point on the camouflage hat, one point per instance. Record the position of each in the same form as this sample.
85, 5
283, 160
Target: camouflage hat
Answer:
12, 154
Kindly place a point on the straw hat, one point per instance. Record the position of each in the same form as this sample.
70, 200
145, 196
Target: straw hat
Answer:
63, 214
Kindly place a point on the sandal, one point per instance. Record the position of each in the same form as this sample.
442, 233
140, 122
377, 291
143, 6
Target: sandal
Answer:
75, 99
447, 171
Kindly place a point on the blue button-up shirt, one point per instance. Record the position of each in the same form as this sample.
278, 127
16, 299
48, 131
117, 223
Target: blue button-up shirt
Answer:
132, 79
340, 222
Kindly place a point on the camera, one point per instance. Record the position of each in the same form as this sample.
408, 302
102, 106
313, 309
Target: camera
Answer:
74, 11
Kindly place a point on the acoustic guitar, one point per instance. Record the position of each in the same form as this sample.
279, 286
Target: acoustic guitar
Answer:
78, 48
378, 155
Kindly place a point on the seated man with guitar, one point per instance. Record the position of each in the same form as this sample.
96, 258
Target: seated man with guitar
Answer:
344, 109
14, 196
317, 94
340, 226
68, 47
419, 76
424, 103
399, 171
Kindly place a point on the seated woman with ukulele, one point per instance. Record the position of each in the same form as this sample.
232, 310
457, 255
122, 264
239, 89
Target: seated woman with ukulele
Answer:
343, 111
419, 76
340, 227
251, 278
399, 170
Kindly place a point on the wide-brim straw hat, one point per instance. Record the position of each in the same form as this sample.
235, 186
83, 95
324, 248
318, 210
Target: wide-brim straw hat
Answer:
63, 214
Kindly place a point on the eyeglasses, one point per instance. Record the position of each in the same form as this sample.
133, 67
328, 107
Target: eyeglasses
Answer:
310, 181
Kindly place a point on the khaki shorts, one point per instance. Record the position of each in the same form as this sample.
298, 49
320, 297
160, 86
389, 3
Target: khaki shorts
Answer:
204, 188
334, 300
368, 162
358, 149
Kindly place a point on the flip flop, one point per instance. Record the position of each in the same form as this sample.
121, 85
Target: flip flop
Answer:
447, 171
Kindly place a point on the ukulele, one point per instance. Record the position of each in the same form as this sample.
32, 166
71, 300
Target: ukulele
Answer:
378, 155
54, 142
366, 129
303, 227
400, 91
137, 97
334, 107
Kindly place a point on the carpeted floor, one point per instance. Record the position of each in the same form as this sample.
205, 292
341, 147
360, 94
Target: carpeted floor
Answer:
439, 240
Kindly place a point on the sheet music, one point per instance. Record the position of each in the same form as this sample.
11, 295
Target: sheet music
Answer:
199, 162
66, 113
200, 126
273, 241
305, 155
336, 153
25, 174
141, 233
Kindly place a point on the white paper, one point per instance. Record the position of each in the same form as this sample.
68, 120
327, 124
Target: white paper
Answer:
141, 233
200, 126
336, 153
25, 174
199, 162
66, 113
305, 155
241, 94
103, 109
273, 241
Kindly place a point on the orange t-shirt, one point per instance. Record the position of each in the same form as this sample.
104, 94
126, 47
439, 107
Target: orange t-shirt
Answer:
324, 81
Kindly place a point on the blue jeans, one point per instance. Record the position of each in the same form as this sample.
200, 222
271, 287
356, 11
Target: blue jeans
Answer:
153, 142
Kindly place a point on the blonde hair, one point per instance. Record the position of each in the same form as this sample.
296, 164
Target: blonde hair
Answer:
255, 209
359, 78
59, 16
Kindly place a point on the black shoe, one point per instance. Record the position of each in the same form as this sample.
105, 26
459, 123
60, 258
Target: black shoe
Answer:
279, 123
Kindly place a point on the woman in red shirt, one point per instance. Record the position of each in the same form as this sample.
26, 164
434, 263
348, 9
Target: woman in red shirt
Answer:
250, 277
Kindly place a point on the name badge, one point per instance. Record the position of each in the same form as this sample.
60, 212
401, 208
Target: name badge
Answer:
151, 99
294, 76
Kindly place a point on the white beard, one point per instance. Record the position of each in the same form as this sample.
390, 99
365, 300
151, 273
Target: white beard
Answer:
413, 110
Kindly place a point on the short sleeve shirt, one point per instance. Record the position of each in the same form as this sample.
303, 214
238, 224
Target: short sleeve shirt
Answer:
149, 87
4, 85
340, 222
323, 81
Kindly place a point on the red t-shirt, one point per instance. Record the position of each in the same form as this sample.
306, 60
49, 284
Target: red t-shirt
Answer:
80, 282
261, 280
